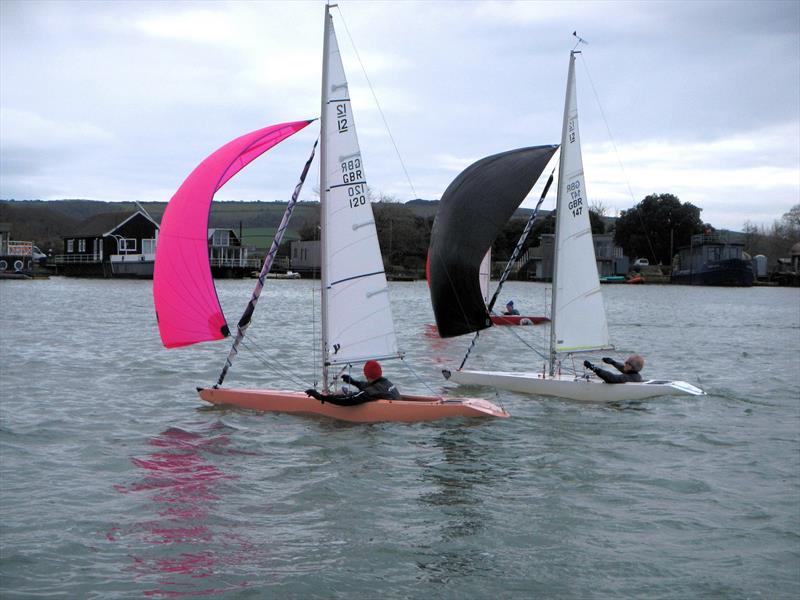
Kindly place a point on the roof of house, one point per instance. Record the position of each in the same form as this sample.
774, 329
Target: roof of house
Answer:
103, 224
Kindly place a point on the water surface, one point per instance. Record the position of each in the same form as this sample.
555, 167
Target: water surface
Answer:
116, 482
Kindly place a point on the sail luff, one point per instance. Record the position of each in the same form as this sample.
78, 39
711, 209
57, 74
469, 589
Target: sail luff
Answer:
578, 322
323, 198
559, 199
357, 317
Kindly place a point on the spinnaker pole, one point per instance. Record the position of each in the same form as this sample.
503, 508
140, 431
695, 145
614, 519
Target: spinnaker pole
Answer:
244, 321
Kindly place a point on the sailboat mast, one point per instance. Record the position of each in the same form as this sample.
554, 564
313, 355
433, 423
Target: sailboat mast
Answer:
323, 198
559, 199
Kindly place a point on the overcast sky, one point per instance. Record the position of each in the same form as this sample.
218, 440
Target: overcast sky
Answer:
121, 100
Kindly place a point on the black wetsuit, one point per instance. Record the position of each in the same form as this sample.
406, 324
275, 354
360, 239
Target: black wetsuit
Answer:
621, 377
379, 389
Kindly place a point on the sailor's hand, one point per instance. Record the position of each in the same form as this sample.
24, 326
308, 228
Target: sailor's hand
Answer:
314, 394
588, 365
608, 361
346, 378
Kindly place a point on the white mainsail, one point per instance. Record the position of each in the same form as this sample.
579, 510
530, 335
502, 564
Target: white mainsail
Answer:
356, 315
579, 316
578, 320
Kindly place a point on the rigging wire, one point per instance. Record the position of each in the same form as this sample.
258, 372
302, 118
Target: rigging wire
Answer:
625, 177
617, 154
397, 152
244, 321
272, 364
377, 103
422, 381
512, 259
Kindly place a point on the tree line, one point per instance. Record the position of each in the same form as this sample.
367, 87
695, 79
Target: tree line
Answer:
654, 228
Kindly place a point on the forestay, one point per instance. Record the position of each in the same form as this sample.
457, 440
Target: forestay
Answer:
357, 320
579, 317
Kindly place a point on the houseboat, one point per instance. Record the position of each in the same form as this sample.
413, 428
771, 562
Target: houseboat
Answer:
713, 258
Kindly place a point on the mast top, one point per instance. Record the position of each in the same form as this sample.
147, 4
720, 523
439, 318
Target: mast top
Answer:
579, 41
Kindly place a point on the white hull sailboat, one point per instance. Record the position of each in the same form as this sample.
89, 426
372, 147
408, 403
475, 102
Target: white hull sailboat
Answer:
356, 318
572, 387
578, 320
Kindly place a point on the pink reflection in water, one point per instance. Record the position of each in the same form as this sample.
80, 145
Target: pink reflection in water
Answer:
438, 344
184, 488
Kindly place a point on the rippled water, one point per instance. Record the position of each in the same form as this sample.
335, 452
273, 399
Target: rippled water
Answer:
116, 483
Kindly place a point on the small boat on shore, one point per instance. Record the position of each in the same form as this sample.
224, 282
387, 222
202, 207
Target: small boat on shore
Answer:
287, 275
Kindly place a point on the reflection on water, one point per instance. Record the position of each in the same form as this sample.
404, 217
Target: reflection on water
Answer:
183, 487
459, 499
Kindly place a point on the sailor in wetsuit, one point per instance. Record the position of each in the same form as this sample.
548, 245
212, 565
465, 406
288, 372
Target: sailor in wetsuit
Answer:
629, 371
376, 387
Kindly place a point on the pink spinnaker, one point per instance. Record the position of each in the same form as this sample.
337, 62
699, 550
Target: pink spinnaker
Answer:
186, 302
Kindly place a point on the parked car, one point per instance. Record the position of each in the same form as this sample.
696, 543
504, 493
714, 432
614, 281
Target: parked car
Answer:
641, 262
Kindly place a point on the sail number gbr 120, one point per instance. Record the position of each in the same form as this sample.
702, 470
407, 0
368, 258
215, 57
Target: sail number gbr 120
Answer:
352, 177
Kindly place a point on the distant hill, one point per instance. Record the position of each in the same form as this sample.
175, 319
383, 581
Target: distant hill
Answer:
46, 222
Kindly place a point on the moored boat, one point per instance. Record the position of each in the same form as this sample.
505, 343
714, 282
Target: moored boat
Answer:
713, 259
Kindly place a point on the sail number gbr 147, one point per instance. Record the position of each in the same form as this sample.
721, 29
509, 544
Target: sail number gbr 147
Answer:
575, 197
351, 173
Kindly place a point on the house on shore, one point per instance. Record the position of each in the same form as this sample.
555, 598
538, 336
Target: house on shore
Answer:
537, 263
111, 245
304, 257
122, 245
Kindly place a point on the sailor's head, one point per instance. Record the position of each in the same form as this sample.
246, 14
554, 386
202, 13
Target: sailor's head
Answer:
510, 304
372, 370
634, 363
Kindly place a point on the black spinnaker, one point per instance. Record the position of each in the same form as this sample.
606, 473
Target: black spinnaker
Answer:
473, 210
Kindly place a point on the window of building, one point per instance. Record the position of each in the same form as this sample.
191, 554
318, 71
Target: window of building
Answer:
148, 246
127, 245
221, 238
70, 246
